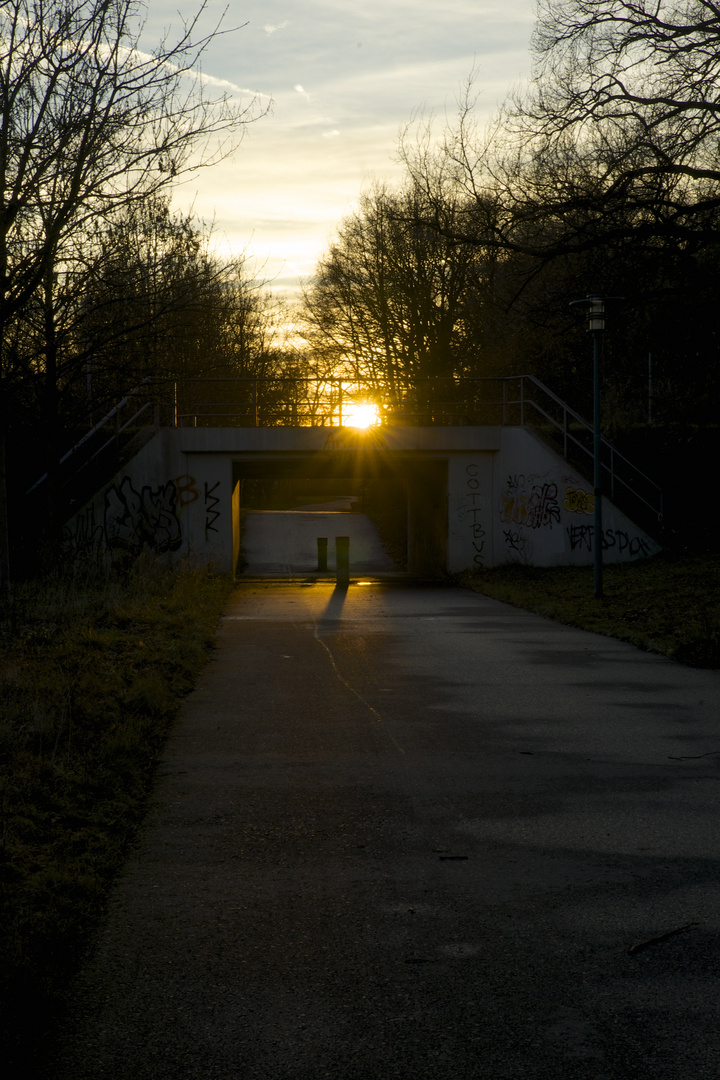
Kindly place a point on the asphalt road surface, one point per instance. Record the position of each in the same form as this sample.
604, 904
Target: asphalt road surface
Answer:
413, 833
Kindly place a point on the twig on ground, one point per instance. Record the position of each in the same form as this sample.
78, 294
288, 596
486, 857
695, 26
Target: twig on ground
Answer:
660, 937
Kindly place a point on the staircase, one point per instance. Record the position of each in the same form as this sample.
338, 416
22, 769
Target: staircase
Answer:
533, 405
102, 451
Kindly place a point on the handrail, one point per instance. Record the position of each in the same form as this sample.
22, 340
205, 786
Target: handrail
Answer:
327, 404
95, 429
615, 455
113, 438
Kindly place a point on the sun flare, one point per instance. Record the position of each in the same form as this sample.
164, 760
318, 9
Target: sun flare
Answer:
362, 415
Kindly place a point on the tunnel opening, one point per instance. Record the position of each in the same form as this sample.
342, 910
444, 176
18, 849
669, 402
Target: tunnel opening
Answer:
282, 508
403, 499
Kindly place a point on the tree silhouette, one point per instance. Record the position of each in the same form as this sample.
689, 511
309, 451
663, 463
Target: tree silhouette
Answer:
90, 121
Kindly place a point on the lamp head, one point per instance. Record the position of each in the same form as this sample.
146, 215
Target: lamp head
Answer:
596, 309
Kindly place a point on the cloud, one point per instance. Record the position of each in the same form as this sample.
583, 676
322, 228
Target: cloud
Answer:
224, 84
138, 59
302, 166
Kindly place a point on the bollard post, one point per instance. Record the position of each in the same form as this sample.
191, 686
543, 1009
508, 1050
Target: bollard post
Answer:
322, 552
342, 561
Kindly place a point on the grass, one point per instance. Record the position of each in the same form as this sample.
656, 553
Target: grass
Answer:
669, 604
91, 678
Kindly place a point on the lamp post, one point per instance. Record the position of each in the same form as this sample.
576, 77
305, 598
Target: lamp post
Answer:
596, 326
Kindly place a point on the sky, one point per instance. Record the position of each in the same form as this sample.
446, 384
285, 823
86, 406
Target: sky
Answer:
344, 77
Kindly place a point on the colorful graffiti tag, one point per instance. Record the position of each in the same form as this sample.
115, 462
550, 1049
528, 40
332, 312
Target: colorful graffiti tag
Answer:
535, 508
187, 491
531, 503
577, 501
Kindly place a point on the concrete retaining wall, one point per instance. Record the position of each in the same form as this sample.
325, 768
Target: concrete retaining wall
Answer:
476, 496
166, 500
526, 504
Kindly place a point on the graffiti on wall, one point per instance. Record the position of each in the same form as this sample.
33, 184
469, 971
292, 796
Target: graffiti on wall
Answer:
474, 508
583, 537
515, 540
530, 501
577, 501
211, 514
135, 520
187, 490
148, 518
87, 538
529, 506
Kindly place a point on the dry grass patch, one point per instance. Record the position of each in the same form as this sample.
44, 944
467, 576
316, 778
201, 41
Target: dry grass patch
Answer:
91, 677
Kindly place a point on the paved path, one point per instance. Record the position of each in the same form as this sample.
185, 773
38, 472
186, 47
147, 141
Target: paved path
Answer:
413, 833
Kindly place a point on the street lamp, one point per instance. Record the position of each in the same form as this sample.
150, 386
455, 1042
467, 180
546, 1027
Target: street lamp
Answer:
596, 325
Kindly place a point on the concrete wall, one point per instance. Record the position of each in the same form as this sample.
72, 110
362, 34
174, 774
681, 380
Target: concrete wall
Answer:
426, 483
477, 497
165, 500
524, 503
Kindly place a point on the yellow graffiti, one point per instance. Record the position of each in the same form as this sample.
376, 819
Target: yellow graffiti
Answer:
514, 506
578, 501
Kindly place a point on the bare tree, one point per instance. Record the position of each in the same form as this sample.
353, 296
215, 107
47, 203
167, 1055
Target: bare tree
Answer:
604, 175
649, 69
392, 301
618, 134
90, 121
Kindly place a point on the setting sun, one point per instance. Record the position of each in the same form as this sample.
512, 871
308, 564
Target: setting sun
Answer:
362, 415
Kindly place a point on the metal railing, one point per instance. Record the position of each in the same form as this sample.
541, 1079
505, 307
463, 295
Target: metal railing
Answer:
548, 414
138, 410
325, 402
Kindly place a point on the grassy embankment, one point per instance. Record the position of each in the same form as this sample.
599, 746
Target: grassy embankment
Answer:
91, 677
669, 604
